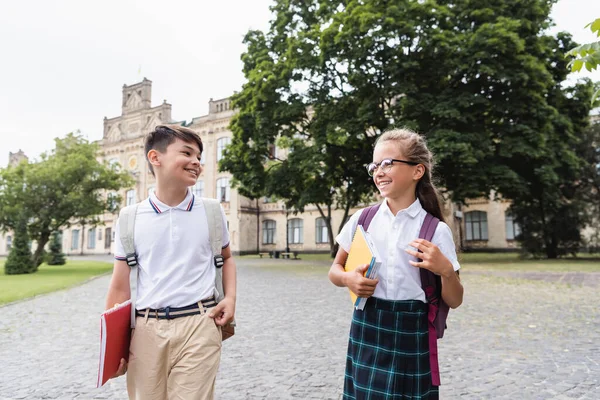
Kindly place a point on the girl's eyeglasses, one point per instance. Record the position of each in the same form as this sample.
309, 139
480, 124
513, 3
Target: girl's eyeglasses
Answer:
385, 165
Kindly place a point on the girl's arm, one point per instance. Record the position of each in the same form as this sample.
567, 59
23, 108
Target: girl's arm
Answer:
353, 280
452, 288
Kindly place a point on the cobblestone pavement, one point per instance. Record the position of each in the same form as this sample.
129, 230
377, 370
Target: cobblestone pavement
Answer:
511, 339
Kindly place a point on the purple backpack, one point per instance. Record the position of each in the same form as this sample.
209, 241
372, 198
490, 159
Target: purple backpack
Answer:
432, 286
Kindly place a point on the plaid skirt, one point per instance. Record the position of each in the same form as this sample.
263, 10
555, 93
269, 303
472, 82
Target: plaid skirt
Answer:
388, 352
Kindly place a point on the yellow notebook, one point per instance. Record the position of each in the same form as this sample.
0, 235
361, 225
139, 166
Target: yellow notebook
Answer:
362, 251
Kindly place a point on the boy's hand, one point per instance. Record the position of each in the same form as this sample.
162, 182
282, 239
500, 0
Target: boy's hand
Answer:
358, 284
223, 312
122, 369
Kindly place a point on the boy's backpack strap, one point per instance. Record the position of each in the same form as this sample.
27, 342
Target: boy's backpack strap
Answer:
366, 216
212, 208
126, 234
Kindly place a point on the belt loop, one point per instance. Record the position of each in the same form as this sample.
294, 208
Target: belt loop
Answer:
201, 308
146, 315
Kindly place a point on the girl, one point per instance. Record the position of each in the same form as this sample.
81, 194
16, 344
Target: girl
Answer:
388, 353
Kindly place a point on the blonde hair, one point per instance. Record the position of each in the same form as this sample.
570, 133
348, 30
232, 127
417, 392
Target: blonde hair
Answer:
414, 148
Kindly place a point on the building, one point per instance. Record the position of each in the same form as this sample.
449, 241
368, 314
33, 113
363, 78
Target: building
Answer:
254, 225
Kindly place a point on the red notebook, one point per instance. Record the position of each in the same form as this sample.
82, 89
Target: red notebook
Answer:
115, 334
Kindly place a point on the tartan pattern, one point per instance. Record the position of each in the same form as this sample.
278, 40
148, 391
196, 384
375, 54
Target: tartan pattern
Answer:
388, 352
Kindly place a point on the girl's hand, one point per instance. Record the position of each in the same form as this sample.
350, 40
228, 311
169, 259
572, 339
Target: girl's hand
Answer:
358, 284
432, 257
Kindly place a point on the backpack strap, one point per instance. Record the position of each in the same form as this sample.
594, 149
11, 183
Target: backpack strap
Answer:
429, 283
367, 215
212, 208
126, 232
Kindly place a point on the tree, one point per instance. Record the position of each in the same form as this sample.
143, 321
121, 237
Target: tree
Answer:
19, 259
56, 256
67, 185
479, 80
587, 55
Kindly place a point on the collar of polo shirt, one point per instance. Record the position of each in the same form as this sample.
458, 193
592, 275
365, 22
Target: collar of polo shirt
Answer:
412, 211
160, 207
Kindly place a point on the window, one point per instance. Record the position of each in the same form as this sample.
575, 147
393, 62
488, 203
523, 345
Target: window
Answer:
75, 239
114, 163
113, 204
321, 230
268, 231
130, 197
91, 238
476, 225
295, 230
107, 238
512, 228
223, 189
198, 189
221, 145
8, 243
272, 152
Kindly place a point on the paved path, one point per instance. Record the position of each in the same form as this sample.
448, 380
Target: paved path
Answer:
512, 339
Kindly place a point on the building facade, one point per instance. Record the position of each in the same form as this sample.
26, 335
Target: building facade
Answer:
255, 225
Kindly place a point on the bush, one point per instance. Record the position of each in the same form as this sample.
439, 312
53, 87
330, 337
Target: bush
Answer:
19, 259
56, 256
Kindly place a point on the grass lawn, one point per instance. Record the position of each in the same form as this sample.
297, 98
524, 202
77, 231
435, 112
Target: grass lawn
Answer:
495, 261
512, 262
48, 279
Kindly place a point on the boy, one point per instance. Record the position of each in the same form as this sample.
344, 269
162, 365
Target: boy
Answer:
176, 344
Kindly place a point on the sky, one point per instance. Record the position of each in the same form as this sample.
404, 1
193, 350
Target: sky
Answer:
64, 62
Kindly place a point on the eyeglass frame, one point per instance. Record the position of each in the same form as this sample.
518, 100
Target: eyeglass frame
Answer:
392, 161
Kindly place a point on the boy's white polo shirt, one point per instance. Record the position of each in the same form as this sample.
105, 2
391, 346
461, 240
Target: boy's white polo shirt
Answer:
399, 280
175, 258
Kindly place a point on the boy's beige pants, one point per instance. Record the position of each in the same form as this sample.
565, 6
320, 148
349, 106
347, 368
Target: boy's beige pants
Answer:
175, 359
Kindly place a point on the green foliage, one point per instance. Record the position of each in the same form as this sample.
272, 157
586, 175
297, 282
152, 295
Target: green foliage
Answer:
56, 256
19, 259
67, 185
587, 55
481, 80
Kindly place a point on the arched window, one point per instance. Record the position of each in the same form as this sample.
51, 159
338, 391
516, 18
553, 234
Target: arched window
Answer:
75, 239
198, 189
223, 189
268, 226
321, 231
222, 143
91, 238
512, 228
476, 226
295, 231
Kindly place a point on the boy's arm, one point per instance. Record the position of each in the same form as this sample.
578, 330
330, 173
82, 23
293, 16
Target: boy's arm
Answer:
229, 274
118, 290
225, 310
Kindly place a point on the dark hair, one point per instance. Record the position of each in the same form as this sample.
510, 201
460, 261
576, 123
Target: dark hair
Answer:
163, 135
414, 148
